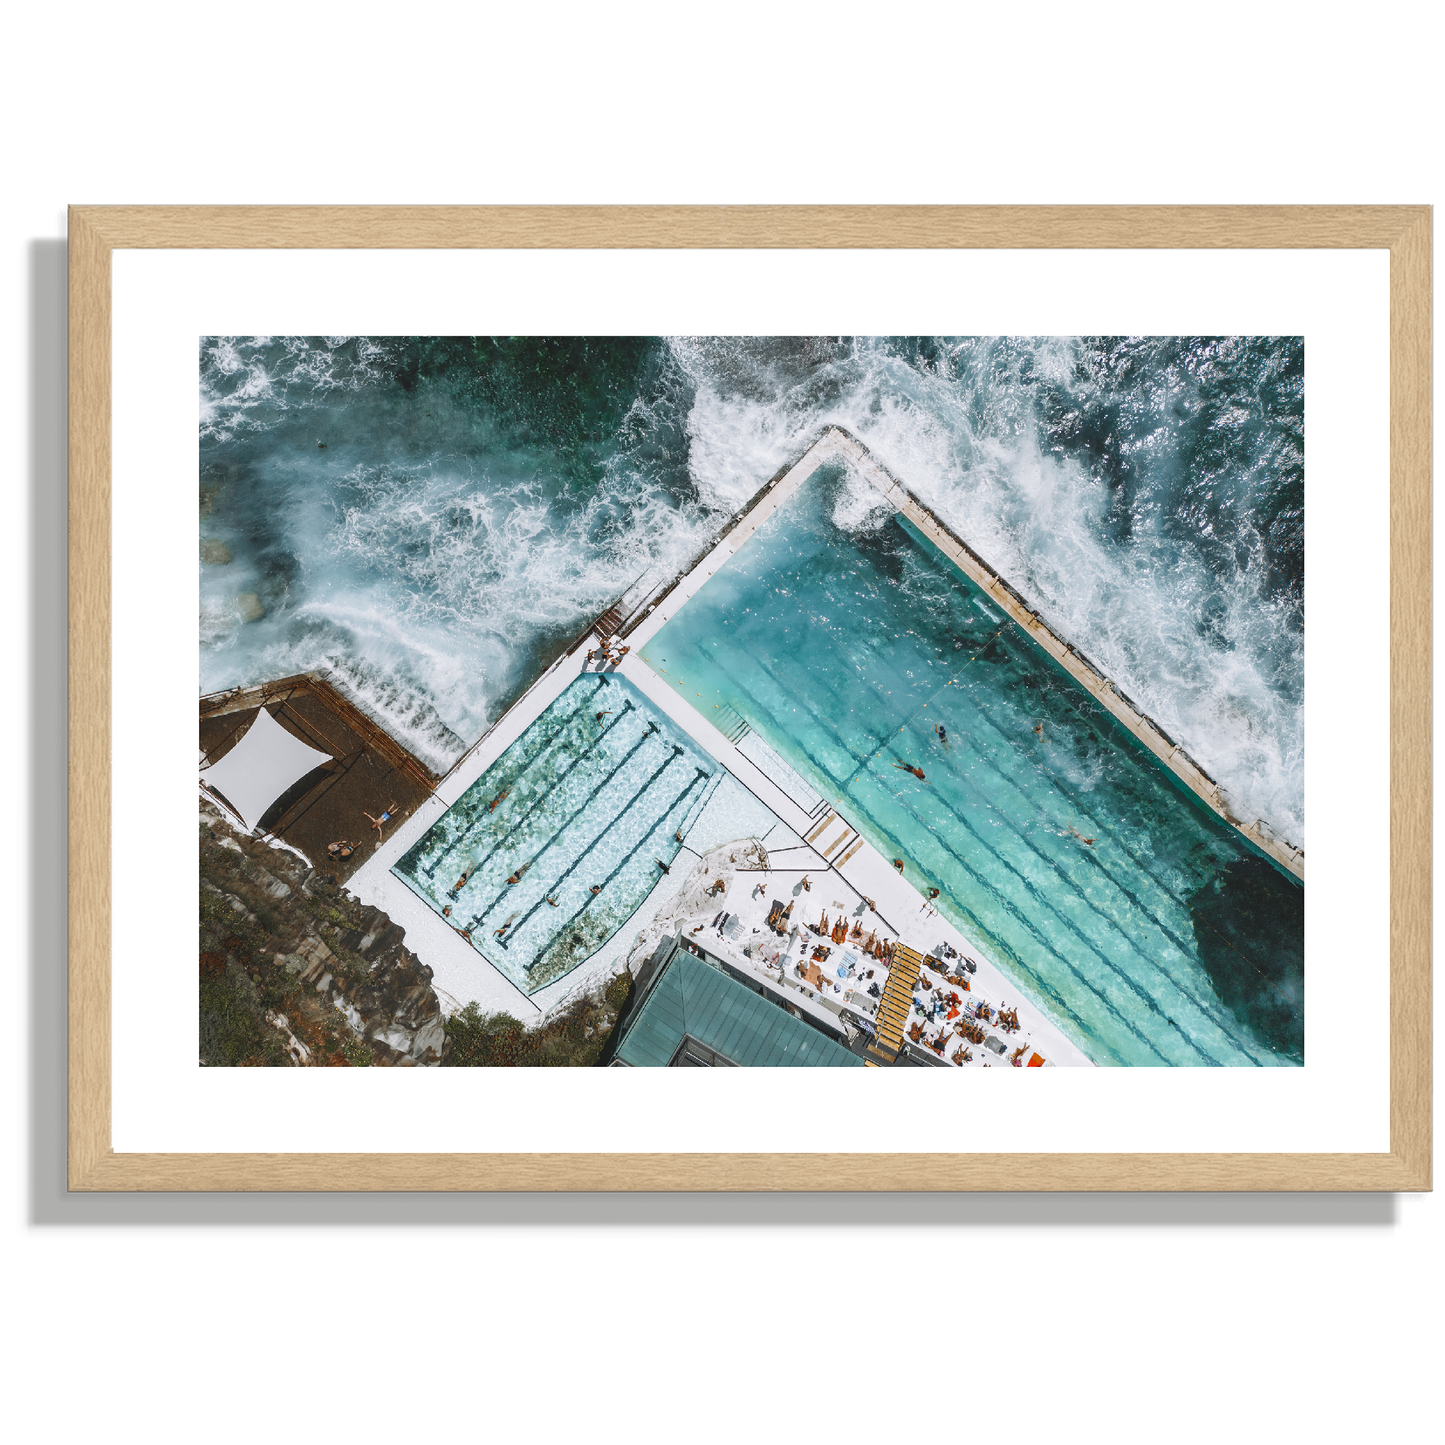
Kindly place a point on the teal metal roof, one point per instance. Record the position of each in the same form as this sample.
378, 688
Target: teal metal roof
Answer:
691, 997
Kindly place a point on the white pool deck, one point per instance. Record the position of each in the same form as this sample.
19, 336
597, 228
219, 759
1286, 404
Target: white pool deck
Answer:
843, 866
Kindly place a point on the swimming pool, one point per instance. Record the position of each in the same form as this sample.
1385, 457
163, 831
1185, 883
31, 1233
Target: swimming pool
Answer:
559, 841
1144, 924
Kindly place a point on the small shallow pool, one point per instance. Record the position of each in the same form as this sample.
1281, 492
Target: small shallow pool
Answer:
560, 841
1144, 924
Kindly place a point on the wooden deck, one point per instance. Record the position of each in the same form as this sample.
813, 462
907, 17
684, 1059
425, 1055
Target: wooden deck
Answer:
897, 1002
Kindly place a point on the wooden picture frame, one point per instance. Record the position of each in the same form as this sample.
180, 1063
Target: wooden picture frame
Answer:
96, 232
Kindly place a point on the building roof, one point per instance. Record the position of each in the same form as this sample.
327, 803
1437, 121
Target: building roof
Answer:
693, 1000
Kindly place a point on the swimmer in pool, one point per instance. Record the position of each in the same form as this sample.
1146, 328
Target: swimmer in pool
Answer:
467, 870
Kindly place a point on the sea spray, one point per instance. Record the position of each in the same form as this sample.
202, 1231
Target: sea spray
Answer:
429, 519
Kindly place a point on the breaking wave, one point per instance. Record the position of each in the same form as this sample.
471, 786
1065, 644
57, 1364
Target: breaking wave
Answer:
429, 519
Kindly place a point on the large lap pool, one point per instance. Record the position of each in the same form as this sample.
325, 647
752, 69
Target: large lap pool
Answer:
1144, 924
558, 843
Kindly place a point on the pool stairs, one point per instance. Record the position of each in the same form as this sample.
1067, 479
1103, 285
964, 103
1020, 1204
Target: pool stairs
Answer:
897, 1002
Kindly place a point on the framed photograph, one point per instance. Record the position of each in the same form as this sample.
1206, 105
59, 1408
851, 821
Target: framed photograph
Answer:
652, 640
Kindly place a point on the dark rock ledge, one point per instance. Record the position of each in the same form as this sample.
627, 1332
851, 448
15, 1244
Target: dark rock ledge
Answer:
309, 960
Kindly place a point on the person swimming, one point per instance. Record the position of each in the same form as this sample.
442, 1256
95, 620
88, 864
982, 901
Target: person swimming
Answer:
468, 868
942, 734
662, 865
491, 807
517, 876
909, 768
605, 711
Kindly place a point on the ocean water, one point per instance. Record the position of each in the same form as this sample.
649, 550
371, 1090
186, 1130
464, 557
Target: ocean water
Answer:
1149, 929
430, 519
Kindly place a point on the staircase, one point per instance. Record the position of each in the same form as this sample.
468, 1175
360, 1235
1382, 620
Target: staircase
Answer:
604, 627
609, 623
894, 1007
732, 724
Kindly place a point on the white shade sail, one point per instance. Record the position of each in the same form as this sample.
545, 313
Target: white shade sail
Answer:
261, 767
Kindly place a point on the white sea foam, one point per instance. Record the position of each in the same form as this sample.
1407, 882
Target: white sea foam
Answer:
432, 566
974, 457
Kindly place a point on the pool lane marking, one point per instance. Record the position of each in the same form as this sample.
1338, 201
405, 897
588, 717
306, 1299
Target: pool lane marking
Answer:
627, 706
1128, 979
576, 813
581, 757
864, 763
547, 743
1132, 984
1092, 859
1071, 886
593, 897
677, 752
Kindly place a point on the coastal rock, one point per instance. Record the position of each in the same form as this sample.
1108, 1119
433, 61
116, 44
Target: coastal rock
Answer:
384, 994
271, 885
249, 606
214, 552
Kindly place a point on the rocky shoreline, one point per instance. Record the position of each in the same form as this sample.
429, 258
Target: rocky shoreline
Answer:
295, 970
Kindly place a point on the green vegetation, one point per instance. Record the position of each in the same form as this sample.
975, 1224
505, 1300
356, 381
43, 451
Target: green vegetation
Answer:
575, 1038
240, 981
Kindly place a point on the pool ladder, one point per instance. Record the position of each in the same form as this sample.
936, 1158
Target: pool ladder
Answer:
732, 724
